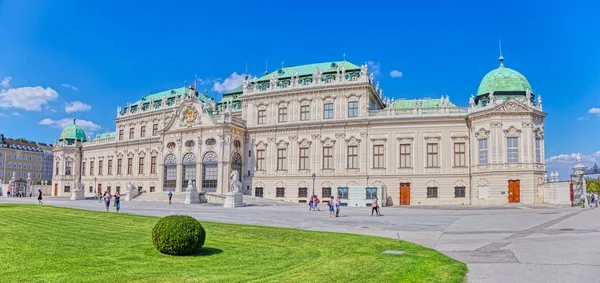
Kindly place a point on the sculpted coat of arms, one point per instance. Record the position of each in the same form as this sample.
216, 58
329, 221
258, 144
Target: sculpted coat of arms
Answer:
189, 116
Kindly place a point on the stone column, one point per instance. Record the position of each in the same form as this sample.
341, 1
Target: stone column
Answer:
179, 182
578, 180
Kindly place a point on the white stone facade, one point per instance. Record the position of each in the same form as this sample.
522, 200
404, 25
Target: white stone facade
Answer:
343, 130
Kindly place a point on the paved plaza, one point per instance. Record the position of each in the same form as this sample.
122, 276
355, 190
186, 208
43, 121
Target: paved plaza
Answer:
517, 243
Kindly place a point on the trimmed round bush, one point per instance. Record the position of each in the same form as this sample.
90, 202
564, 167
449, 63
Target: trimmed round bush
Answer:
178, 235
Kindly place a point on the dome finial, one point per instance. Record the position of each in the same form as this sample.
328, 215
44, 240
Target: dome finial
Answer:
74, 122
501, 59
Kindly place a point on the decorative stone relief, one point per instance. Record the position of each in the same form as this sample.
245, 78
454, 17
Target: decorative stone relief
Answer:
352, 141
512, 131
482, 134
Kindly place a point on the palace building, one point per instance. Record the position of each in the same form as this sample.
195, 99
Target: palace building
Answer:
326, 124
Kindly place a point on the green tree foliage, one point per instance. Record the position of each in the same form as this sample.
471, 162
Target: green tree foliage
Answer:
178, 235
592, 186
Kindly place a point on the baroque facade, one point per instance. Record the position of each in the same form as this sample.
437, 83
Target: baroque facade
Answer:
326, 124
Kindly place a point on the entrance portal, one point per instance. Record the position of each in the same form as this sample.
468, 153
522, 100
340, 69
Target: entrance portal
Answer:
404, 193
514, 191
55, 190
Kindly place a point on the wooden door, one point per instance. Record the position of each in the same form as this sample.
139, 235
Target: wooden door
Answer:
514, 191
405, 194
55, 189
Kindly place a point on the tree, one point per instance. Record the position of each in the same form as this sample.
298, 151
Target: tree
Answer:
592, 186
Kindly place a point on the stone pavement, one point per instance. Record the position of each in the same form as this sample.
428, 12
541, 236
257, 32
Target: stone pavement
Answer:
519, 243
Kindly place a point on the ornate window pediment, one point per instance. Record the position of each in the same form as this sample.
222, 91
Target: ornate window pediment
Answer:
352, 96
282, 144
304, 143
353, 141
482, 133
460, 138
305, 101
328, 142
512, 131
154, 152
329, 99
432, 139
378, 141
405, 140
262, 105
512, 106
261, 145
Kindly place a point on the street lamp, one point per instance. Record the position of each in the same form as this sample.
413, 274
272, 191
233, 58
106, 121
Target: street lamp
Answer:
95, 187
314, 176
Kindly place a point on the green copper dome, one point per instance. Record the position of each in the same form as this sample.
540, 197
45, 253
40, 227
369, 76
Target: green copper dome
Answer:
73, 133
503, 79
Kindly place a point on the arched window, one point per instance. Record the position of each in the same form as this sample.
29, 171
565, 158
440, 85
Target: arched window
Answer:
210, 172
236, 164
170, 173
189, 170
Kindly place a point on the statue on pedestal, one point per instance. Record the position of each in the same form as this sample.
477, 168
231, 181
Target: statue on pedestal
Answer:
235, 185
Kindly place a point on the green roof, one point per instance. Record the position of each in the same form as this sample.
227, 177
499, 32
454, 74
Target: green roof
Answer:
426, 103
169, 94
105, 135
73, 133
303, 70
503, 79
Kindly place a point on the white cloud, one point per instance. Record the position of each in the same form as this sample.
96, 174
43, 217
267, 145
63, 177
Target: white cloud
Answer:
27, 98
207, 81
375, 68
70, 86
87, 126
16, 114
52, 110
595, 111
581, 119
231, 82
77, 106
3, 115
395, 74
5, 82
563, 163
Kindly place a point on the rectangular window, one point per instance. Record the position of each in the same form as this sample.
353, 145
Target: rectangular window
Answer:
143, 131
328, 157
141, 166
260, 160
353, 109
91, 168
459, 155
282, 116
120, 135
304, 112
303, 158
328, 111
57, 167
131, 132
378, 160
129, 166
67, 189
538, 150
153, 165
352, 157
459, 192
100, 163
342, 192
302, 192
483, 151
154, 129
262, 117
432, 192
280, 192
68, 168
432, 155
405, 156
281, 159
110, 167
371, 192
83, 169
326, 193
119, 166
258, 192
512, 149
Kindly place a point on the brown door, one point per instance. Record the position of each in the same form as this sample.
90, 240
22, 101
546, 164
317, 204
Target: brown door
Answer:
55, 190
514, 191
405, 194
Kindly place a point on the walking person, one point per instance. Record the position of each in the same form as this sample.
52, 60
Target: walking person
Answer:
310, 203
107, 197
170, 196
100, 198
40, 196
338, 203
316, 204
331, 207
582, 199
117, 201
374, 206
592, 200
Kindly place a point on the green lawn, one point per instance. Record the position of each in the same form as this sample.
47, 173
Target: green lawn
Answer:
52, 244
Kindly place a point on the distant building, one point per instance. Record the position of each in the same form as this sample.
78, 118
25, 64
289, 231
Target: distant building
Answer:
47, 162
20, 157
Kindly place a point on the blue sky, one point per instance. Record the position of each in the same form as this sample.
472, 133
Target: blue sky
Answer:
65, 59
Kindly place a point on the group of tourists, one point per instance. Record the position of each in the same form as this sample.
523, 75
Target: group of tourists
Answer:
107, 197
334, 205
591, 199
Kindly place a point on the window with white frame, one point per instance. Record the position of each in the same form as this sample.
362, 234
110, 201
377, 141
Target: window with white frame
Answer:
483, 151
432, 155
304, 112
353, 109
260, 160
282, 116
378, 157
538, 150
352, 157
459, 155
327, 157
405, 156
512, 149
281, 159
328, 111
303, 159
262, 117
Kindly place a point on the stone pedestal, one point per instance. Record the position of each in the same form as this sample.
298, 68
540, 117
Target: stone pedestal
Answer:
233, 200
131, 194
78, 195
191, 195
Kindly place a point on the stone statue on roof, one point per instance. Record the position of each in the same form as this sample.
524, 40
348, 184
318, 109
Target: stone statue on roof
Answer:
317, 75
371, 78
118, 110
539, 102
472, 101
527, 97
364, 70
578, 157
492, 99
164, 100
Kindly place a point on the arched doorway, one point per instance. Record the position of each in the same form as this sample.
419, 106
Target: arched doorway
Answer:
236, 164
189, 170
210, 172
170, 173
